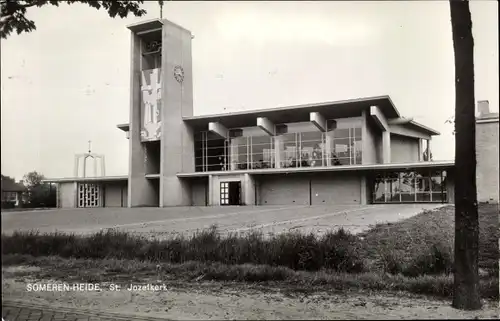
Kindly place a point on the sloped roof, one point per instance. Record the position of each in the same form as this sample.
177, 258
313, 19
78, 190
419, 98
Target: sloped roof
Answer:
9, 185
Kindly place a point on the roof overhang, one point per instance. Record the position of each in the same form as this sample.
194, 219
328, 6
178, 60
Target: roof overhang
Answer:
423, 128
86, 179
145, 25
124, 127
297, 113
414, 125
344, 168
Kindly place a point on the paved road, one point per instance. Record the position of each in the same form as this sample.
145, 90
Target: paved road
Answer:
15, 311
163, 221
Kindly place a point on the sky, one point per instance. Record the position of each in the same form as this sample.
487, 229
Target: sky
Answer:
68, 81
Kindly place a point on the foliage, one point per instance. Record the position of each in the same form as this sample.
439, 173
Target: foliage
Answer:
123, 271
451, 120
13, 17
419, 245
43, 195
39, 194
33, 179
414, 255
8, 178
337, 251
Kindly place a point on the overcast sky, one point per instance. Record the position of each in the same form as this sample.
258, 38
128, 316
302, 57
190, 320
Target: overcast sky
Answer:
68, 81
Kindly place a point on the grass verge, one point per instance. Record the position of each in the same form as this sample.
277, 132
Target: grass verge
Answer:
424, 243
125, 271
410, 255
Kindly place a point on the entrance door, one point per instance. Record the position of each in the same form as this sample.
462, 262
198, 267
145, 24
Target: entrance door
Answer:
230, 193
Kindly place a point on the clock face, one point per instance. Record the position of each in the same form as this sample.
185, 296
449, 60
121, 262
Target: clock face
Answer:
179, 74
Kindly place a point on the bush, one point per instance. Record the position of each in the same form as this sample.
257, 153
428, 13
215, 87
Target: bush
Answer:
42, 195
336, 250
341, 252
392, 263
437, 259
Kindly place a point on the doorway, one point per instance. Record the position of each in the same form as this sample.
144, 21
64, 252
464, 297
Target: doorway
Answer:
230, 193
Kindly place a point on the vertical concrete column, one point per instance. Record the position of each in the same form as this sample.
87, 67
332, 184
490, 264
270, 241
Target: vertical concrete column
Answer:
364, 137
429, 150
140, 190
420, 150
177, 141
58, 196
249, 190
210, 190
328, 149
386, 146
364, 189
75, 194
278, 150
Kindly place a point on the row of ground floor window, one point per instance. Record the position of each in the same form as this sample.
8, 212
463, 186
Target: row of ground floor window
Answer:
353, 187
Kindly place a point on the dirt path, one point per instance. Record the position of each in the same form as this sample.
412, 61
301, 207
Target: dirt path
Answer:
218, 301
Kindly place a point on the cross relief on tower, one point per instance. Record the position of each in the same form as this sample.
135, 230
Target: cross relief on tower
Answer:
151, 85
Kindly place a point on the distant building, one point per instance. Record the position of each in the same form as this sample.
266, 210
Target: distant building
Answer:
13, 194
359, 151
487, 154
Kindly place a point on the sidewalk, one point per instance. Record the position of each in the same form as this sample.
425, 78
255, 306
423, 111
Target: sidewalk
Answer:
18, 310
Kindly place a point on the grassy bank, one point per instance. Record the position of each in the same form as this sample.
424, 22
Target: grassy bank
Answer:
430, 234
419, 249
126, 271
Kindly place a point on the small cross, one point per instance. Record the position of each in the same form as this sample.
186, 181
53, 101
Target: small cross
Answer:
161, 8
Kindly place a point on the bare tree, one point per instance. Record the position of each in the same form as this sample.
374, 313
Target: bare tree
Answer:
466, 286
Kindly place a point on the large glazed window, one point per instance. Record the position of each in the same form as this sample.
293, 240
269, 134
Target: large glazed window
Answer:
419, 186
262, 152
438, 186
407, 185
423, 186
379, 189
312, 148
344, 142
239, 153
295, 145
210, 153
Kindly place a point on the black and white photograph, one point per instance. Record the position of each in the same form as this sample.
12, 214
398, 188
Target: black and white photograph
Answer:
249, 160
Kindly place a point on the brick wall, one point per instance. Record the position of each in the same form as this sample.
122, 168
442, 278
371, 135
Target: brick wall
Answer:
487, 160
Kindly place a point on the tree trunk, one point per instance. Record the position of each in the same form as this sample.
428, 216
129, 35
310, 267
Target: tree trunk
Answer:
466, 285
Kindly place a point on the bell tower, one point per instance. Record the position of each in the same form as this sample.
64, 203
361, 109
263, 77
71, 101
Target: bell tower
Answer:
161, 144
